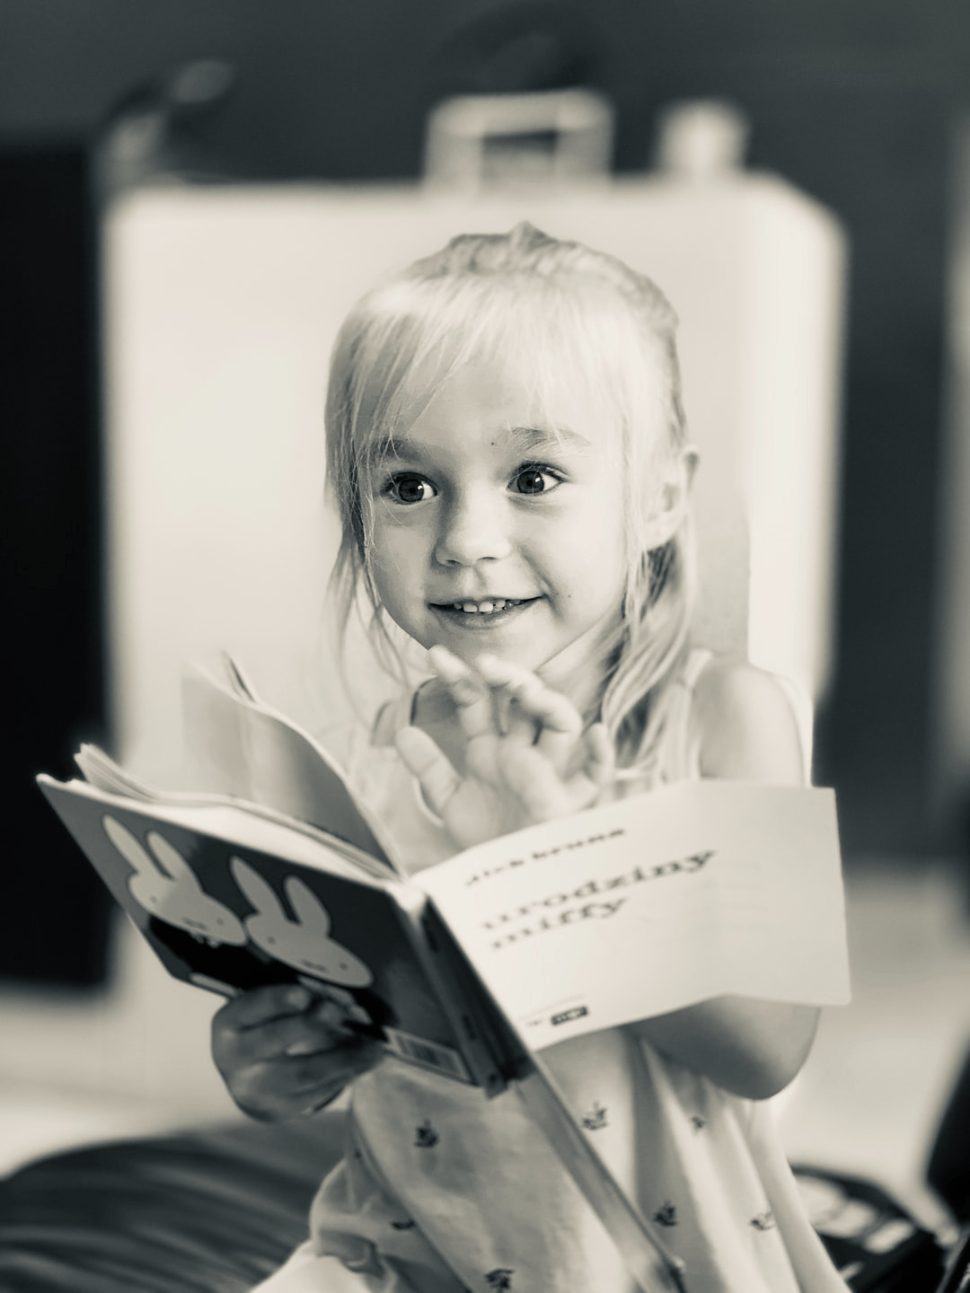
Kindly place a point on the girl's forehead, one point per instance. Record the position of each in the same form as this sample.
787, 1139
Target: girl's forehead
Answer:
506, 388
540, 386
578, 359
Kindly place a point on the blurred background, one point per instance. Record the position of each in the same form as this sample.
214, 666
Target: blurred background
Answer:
191, 196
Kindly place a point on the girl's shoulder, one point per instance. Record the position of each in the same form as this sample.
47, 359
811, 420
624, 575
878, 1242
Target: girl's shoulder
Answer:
749, 724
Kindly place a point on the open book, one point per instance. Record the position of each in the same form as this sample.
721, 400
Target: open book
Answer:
471, 966
627, 910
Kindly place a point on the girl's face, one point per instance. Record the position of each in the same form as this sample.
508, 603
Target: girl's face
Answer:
495, 532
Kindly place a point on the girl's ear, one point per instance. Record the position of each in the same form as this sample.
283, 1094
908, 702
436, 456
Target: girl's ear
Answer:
674, 498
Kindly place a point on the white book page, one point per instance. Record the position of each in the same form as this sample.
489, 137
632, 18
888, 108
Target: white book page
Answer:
654, 903
245, 748
250, 826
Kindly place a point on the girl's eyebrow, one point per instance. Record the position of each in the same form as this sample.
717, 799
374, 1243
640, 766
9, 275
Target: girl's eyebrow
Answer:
525, 438
377, 452
560, 437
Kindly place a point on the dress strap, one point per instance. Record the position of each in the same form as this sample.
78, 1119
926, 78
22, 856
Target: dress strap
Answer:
697, 660
680, 757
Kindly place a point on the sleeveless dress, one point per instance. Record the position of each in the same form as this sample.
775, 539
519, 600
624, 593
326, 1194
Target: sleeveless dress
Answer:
441, 1190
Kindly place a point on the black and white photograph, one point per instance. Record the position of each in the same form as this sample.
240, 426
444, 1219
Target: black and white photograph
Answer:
486, 593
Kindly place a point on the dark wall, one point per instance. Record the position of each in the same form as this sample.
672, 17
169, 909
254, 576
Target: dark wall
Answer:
852, 102
53, 910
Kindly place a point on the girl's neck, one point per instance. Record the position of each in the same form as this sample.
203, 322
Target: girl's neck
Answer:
583, 669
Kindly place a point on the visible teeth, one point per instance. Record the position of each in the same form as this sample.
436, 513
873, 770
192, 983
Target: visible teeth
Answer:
484, 608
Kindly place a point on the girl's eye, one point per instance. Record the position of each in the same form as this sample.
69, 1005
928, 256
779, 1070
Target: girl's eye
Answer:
535, 480
408, 487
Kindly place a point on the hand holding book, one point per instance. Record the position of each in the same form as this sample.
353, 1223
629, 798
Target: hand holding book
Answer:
286, 1051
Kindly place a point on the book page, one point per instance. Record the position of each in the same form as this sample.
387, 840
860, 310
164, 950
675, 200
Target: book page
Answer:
244, 748
653, 903
235, 823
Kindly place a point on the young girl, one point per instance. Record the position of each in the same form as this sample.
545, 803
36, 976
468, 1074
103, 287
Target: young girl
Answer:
506, 445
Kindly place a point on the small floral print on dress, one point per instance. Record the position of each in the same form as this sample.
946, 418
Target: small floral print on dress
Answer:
500, 1278
666, 1215
697, 1122
764, 1220
402, 1225
425, 1136
596, 1118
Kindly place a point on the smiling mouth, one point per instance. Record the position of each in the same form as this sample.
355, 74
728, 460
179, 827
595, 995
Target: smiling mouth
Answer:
488, 610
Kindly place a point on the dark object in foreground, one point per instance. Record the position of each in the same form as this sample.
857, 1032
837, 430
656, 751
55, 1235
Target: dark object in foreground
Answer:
875, 1244
948, 1168
214, 1211
211, 1211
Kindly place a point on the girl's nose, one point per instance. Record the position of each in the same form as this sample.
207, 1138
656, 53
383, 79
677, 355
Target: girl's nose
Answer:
472, 530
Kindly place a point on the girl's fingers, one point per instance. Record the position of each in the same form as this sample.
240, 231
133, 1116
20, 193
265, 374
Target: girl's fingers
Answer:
473, 699
534, 782
524, 739
306, 1034
288, 1086
307, 1073
585, 785
514, 723
539, 786
435, 775
542, 703
258, 1005
582, 791
556, 722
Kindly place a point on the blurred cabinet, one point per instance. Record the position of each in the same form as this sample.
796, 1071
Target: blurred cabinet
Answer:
221, 306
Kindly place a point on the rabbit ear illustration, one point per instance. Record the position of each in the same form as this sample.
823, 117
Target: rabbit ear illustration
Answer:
164, 885
304, 941
172, 861
259, 893
307, 908
129, 848
320, 953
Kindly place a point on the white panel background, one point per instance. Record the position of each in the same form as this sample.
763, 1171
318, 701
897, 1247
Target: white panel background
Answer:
222, 306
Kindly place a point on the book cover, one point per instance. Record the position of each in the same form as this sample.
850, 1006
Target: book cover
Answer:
229, 901
223, 913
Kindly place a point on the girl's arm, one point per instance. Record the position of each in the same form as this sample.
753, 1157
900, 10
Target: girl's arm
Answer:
745, 730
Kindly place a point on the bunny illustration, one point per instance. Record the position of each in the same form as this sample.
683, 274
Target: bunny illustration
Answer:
304, 942
166, 887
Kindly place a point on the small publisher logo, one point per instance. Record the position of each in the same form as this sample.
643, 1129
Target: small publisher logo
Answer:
566, 1016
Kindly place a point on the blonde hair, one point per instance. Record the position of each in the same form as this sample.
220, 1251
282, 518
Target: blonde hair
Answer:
600, 323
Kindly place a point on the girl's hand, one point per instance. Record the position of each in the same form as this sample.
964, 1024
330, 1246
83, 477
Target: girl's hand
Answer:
282, 1051
527, 757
